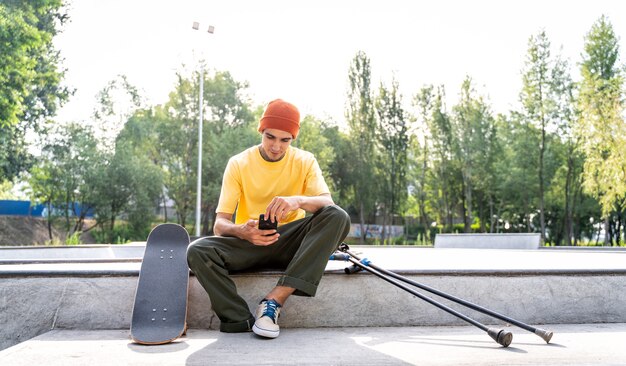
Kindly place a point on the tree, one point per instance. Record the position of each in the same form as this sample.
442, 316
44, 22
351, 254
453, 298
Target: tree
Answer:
177, 131
128, 183
473, 130
361, 118
44, 183
64, 177
392, 133
116, 103
30, 77
602, 128
436, 169
339, 169
543, 81
228, 129
312, 139
418, 163
566, 119
231, 127
14, 155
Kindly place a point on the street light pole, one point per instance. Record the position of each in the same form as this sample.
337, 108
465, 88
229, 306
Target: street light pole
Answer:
211, 29
199, 188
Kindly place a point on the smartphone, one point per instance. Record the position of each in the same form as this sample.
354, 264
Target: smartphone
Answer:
267, 224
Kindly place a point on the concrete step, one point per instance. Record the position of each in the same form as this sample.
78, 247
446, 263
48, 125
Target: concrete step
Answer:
535, 287
573, 344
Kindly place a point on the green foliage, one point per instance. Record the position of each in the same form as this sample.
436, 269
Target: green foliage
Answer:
474, 134
73, 239
120, 234
30, 78
14, 155
547, 105
339, 170
446, 170
392, 134
312, 139
118, 101
5, 191
602, 128
228, 129
361, 118
432, 169
65, 174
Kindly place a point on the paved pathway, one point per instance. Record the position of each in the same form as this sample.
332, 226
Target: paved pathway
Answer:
579, 344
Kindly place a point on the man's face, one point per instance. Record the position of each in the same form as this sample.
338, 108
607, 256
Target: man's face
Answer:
274, 144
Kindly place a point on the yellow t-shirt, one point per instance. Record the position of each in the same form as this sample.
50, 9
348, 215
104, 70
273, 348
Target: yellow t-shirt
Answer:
250, 182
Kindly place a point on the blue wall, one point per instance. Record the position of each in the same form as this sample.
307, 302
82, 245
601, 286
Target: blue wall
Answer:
23, 208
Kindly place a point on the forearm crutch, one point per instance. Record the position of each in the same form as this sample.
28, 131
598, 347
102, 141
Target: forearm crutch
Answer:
367, 265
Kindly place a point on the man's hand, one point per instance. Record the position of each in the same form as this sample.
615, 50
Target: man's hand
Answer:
280, 207
250, 232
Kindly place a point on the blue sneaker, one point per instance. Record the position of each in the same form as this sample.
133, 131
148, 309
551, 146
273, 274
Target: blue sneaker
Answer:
266, 324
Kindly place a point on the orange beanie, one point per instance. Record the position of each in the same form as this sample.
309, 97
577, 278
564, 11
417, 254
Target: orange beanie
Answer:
281, 115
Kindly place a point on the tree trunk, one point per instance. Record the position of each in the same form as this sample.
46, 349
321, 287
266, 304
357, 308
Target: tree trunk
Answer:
607, 231
50, 220
499, 212
362, 222
618, 224
468, 202
383, 232
567, 217
206, 216
542, 220
481, 213
526, 215
491, 216
164, 209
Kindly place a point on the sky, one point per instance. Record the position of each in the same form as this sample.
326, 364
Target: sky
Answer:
301, 51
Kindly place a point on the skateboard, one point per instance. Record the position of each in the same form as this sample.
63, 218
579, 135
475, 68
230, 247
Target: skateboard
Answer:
160, 309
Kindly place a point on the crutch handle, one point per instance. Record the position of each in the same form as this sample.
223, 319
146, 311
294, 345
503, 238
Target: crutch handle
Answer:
339, 257
354, 268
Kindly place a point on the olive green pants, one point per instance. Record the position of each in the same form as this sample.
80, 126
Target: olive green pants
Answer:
302, 249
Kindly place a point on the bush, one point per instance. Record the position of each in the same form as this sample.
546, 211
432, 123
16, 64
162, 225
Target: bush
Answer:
73, 239
121, 234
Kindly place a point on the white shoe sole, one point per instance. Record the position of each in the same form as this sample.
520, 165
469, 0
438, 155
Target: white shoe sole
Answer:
265, 332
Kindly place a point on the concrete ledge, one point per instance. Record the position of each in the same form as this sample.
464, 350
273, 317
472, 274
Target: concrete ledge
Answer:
78, 252
488, 241
536, 287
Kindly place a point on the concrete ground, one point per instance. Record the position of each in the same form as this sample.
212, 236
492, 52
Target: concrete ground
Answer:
580, 344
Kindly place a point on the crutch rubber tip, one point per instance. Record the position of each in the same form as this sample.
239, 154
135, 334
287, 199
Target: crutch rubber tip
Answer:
352, 269
545, 334
501, 336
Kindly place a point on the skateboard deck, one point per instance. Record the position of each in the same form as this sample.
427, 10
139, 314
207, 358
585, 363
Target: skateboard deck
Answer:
160, 309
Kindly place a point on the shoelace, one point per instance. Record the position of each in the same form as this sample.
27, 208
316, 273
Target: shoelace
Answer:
270, 310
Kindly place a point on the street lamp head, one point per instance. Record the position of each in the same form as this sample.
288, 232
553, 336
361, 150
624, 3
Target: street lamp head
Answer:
196, 26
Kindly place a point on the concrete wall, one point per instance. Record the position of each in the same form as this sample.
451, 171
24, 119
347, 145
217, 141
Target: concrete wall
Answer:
30, 306
488, 241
